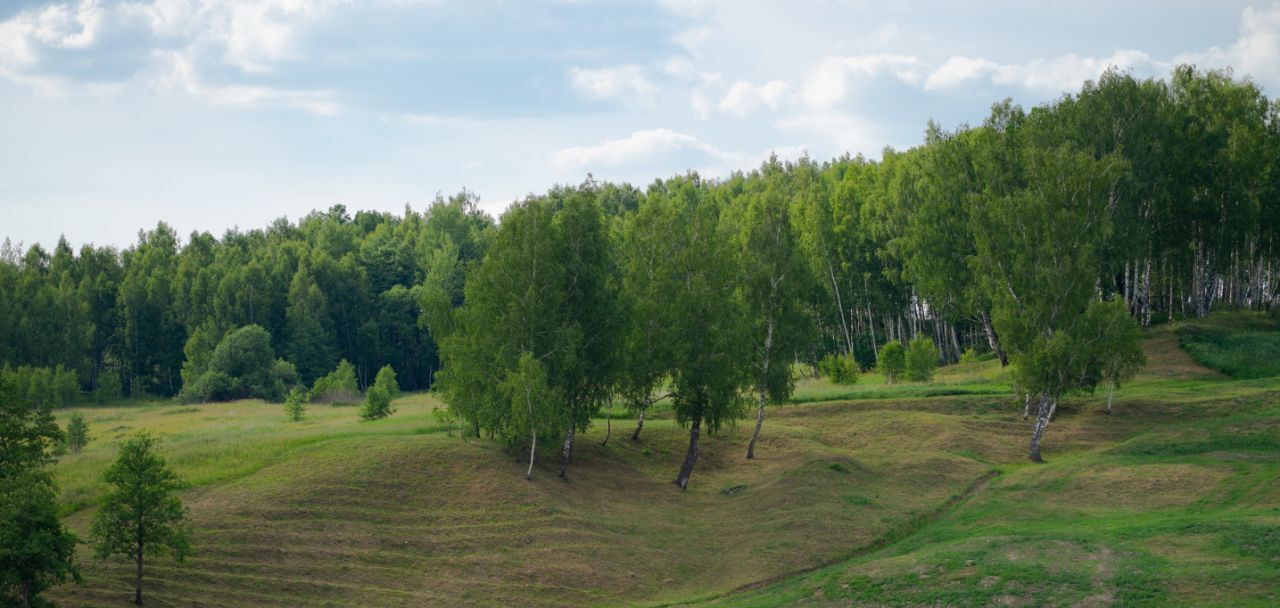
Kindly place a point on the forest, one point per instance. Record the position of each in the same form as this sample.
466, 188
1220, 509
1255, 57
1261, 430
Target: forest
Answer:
1044, 237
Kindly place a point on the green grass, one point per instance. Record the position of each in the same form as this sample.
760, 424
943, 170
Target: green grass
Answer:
1239, 345
869, 495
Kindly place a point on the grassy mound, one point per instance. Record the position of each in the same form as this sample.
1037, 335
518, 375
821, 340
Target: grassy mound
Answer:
1240, 346
889, 496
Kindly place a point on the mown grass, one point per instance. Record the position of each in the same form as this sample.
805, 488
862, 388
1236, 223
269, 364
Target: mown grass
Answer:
872, 494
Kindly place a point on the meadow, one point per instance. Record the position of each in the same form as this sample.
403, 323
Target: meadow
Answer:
869, 494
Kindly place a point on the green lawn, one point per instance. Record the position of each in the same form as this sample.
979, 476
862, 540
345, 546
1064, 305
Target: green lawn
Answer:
870, 494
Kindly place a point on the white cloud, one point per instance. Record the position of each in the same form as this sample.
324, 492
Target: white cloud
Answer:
1255, 50
176, 73
958, 71
639, 146
743, 97
827, 85
625, 83
1047, 76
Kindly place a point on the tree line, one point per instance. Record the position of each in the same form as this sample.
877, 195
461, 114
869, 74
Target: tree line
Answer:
1045, 236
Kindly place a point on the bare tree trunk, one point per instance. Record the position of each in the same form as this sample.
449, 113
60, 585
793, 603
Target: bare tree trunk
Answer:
608, 422
1026, 406
690, 457
137, 581
848, 341
764, 393
533, 447
992, 339
751, 447
639, 425
1111, 392
1045, 414
568, 452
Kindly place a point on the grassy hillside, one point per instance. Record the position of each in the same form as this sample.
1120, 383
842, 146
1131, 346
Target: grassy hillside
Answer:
870, 495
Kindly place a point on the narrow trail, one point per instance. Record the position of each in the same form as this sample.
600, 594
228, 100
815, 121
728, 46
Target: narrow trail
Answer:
895, 534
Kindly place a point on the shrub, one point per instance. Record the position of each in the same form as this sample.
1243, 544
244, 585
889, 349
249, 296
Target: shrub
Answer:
892, 361
922, 359
339, 386
386, 378
839, 369
295, 405
377, 404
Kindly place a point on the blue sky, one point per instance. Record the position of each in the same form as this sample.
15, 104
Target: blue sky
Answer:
212, 114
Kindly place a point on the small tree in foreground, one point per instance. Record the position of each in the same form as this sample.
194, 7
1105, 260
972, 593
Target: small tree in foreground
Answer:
921, 360
36, 551
892, 361
295, 405
77, 433
141, 515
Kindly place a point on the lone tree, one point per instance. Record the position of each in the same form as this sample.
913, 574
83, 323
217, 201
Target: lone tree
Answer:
77, 433
775, 279
141, 515
295, 405
546, 287
1038, 253
700, 310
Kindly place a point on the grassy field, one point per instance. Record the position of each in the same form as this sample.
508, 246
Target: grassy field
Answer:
860, 495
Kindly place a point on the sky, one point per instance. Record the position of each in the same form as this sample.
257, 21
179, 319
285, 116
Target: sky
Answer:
214, 114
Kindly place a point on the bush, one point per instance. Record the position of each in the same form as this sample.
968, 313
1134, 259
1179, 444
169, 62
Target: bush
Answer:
892, 361
242, 366
839, 369
386, 378
377, 404
339, 386
295, 405
922, 359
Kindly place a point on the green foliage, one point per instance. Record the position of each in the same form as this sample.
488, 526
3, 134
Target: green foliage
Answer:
108, 387
544, 287
243, 365
295, 404
338, 386
77, 434
535, 412
839, 369
921, 359
892, 361
140, 515
386, 378
41, 386
36, 551
377, 404
1239, 354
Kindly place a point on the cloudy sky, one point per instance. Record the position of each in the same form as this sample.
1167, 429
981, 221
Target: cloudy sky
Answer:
210, 114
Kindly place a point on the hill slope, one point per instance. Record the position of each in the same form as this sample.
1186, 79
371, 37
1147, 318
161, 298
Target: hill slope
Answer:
914, 500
